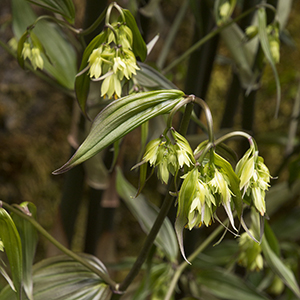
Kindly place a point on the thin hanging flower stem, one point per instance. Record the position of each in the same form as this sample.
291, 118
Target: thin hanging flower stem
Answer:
187, 100
235, 134
57, 21
65, 250
184, 264
209, 119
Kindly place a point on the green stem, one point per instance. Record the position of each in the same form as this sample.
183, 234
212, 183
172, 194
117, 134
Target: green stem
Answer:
59, 22
65, 250
184, 264
209, 119
94, 25
175, 109
235, 134
119, 9
211, 35
167, 203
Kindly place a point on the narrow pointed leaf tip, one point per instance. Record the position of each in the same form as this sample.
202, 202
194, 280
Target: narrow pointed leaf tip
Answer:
121, 117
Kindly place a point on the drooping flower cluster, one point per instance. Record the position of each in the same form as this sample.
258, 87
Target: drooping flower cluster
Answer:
33, 53
113, 60
254, 179
168, 157
209, 182
204, 189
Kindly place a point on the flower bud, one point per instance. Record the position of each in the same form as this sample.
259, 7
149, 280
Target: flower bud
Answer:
251, 31
250, 253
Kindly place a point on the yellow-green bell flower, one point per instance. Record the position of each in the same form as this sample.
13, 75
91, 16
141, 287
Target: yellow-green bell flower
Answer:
26, 51
99, 61
13, 44
183, 150
36, 58
219, 184
119, 67
254, 178
151, 151
130, 63
121, 35
201, 207
163, 171
111, 85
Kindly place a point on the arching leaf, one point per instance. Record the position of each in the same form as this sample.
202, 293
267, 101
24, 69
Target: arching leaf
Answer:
121, 117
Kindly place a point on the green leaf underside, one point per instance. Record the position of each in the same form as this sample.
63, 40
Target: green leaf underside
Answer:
63, 7
121, 117
146, 214
13, 248
61, 278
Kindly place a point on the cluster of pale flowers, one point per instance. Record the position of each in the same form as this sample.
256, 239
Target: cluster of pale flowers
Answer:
207, 184
113, 60
34, 55
169, 157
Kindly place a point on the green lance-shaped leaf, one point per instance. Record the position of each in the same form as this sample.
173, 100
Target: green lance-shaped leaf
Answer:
13, 248
139, 47
279, 268
225, 285
29, 238
146, 214
61, 278
63, 7
265, 45
121, 117
82, 81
